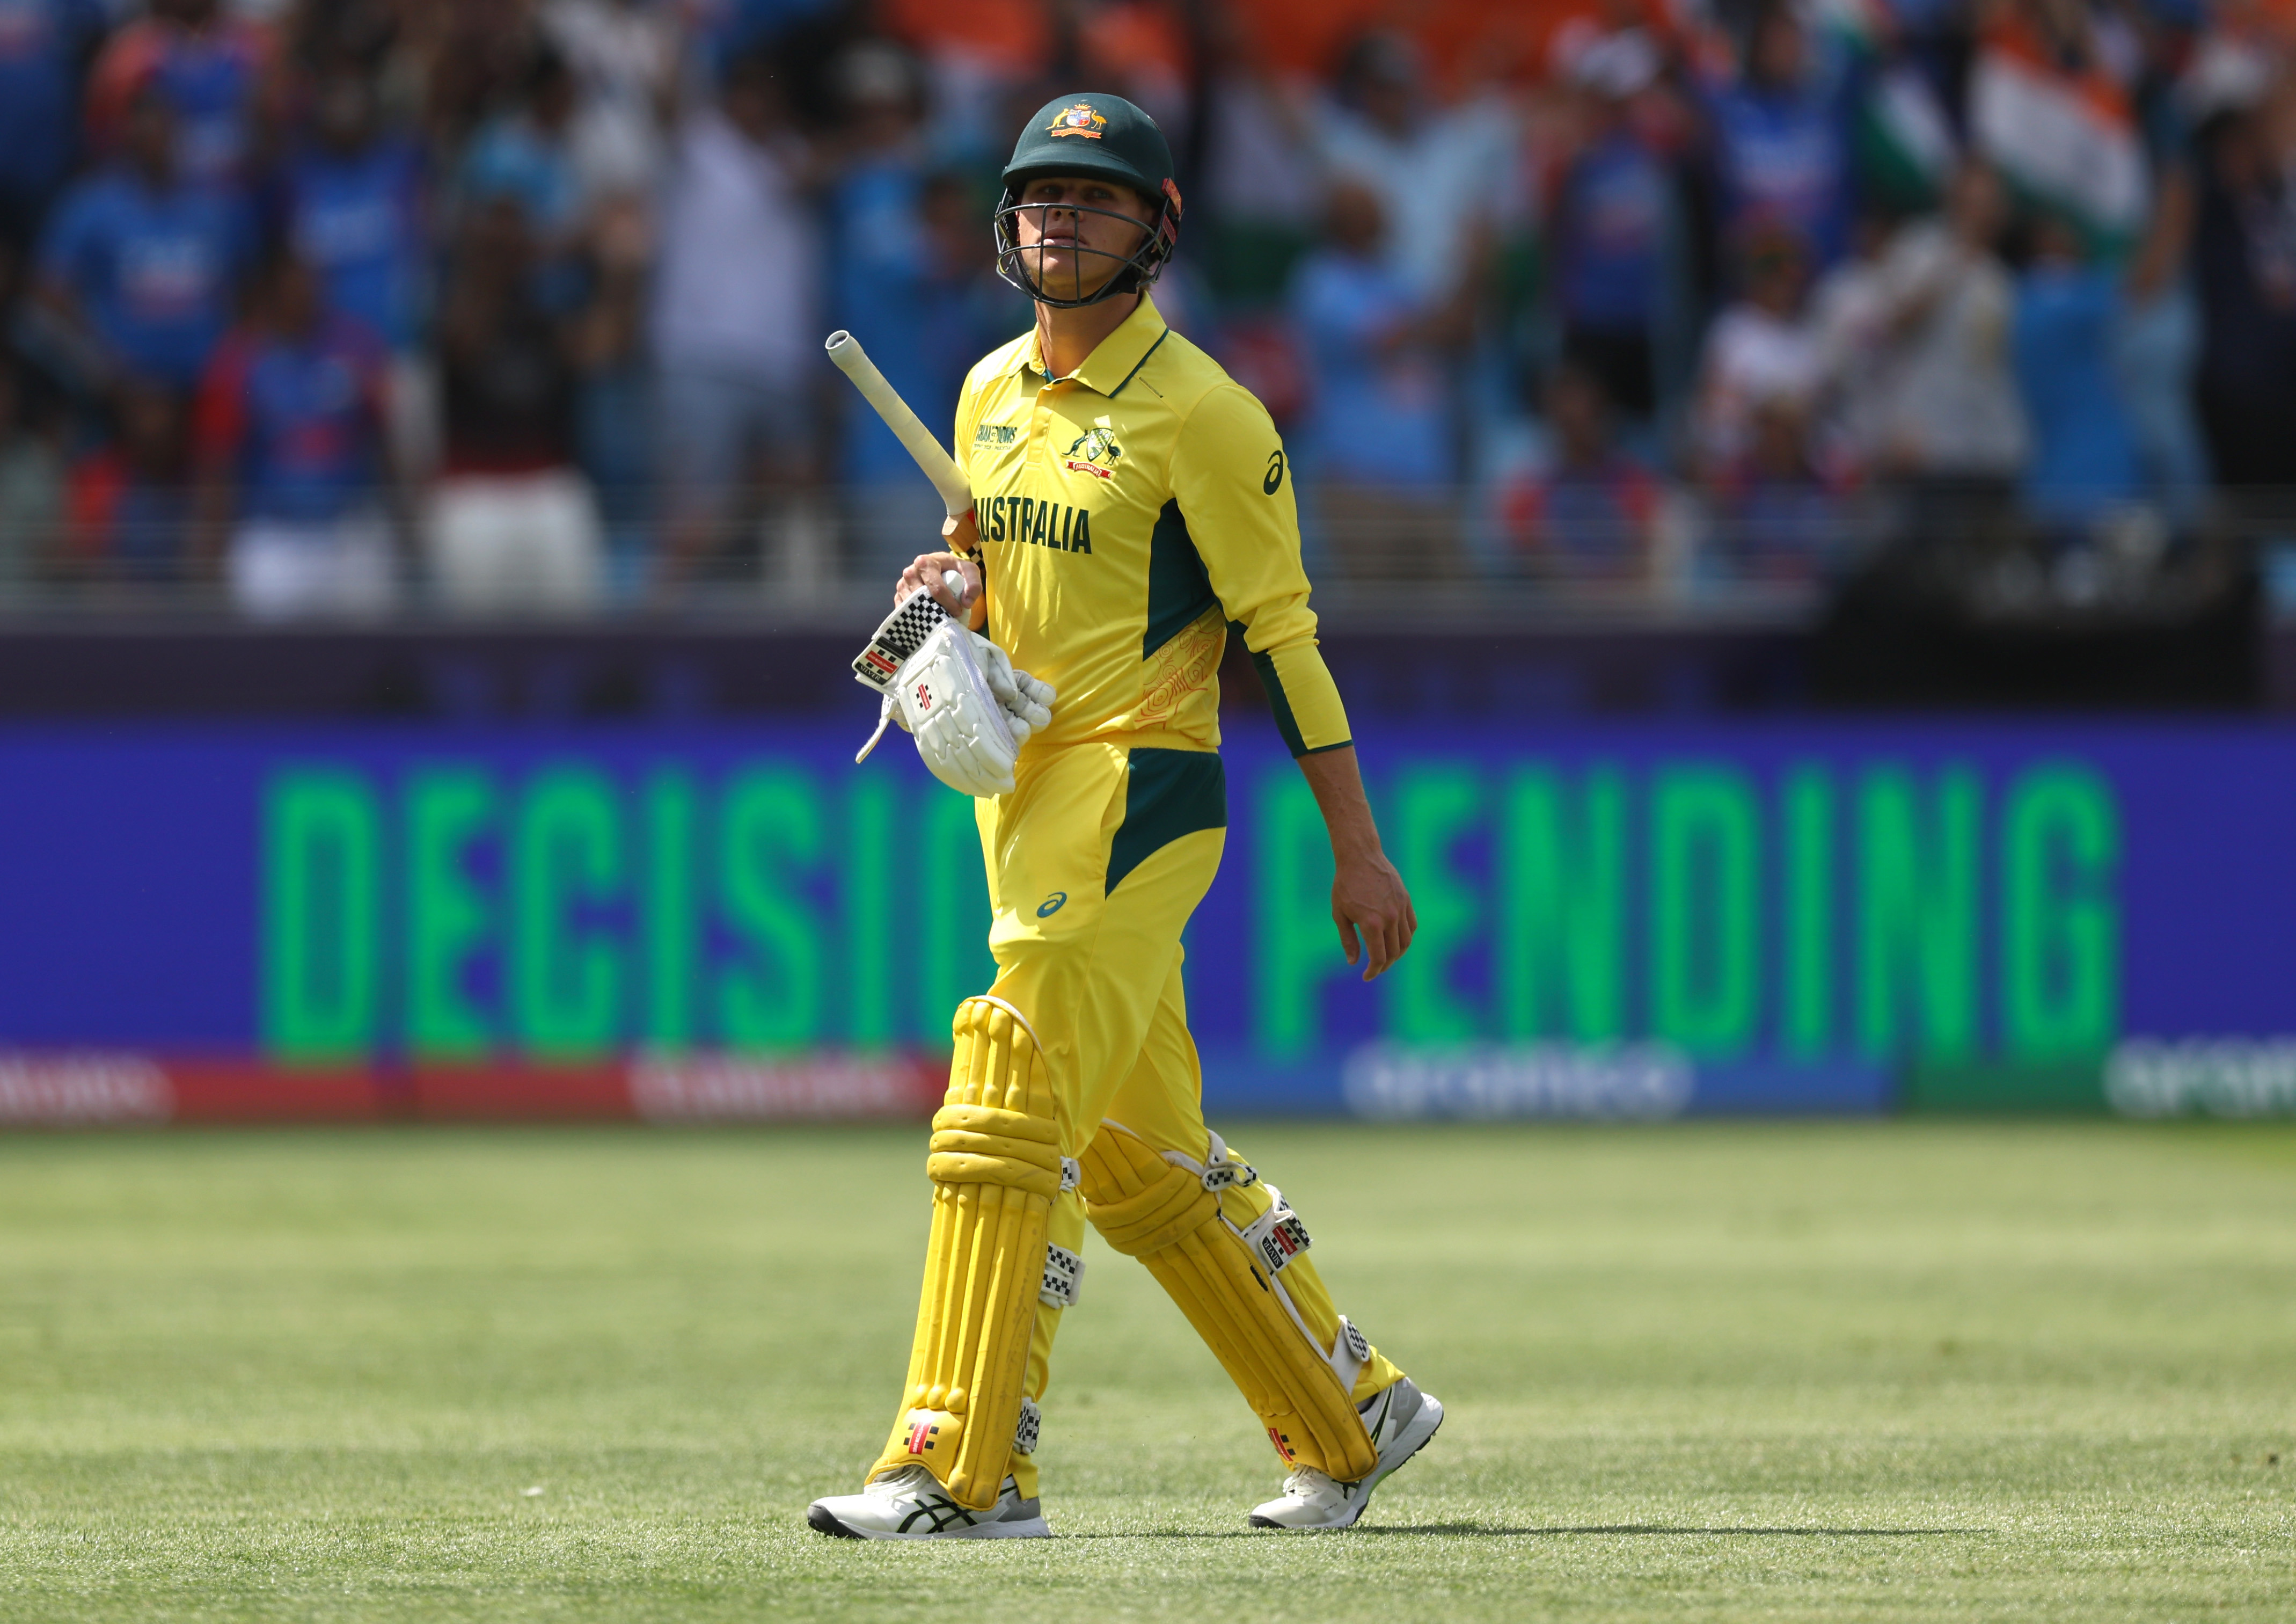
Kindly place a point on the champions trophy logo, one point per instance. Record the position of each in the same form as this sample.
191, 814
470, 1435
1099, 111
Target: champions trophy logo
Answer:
1077, 120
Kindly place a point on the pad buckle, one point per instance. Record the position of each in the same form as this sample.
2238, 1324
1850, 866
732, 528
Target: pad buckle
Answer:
1032, 1422
1071, 1174
1064, 1274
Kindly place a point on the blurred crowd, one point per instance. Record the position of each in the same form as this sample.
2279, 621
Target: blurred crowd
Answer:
516, 306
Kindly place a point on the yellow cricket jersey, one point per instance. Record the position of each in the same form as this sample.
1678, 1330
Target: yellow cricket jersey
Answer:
1130, 515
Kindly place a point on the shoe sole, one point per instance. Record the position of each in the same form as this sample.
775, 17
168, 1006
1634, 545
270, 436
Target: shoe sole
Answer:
1372, 1482
823, 1520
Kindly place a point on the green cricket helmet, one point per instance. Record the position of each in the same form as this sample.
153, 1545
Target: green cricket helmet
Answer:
1101, 135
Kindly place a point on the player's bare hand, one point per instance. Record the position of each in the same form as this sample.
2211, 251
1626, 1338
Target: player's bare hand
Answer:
1368, 898
927, 575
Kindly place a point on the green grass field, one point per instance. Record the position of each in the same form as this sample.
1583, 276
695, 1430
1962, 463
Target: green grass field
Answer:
1871, 1371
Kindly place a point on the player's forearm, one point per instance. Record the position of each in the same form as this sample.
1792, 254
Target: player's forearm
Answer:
1338, 785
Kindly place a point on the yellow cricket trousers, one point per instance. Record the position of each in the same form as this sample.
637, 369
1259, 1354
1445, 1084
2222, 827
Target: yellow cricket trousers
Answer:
1096, 861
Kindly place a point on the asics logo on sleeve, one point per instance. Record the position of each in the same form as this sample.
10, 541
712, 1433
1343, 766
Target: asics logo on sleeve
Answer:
1275, 479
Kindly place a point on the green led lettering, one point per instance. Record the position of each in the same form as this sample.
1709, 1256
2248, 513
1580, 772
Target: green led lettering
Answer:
771, 830
1705, 931
322, 869
1292, 909
1562, 905
867, 906
952, 914
1434, 805
2060, 918
1917, 912
1805, 1020
669, 920
446, 916
565, 849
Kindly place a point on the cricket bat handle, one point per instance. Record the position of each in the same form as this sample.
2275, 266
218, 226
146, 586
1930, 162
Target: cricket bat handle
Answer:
939, 466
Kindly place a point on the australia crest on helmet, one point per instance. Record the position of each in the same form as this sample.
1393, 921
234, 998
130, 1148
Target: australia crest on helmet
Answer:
1080, 118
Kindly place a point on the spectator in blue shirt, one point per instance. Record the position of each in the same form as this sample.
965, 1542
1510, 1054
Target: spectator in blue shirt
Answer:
215, 68
44, 45
1782, 140
906, 266
1613, 220
289, 434
2085, 460
1378, 432
142, 266
353, 202
525, 153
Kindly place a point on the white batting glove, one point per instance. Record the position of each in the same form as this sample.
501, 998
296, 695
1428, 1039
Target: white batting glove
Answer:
1026, 701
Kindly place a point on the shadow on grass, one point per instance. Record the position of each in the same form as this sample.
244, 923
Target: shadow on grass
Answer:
1655, 1527
1484, 1531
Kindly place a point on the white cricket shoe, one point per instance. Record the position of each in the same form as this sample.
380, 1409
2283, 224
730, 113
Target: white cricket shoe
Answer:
910, 1503
1400, 1419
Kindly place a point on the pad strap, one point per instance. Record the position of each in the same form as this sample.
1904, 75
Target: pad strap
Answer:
1223, 1171
1350, 1352
1064, 1274
1276, 1235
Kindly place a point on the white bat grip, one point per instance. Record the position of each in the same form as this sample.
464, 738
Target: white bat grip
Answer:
940, 467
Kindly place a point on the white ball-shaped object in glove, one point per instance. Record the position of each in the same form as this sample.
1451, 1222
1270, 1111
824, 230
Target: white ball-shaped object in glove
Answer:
1026, 701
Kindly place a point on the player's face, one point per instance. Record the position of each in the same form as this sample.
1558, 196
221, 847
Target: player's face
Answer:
1076, 232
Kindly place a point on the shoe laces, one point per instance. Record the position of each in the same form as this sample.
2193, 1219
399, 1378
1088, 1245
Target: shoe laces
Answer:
1307, 1484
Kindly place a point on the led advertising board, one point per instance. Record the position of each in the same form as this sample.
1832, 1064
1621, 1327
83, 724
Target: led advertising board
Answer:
1622, 920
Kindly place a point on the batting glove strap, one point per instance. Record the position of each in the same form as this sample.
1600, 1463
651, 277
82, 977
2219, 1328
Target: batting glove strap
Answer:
898, 635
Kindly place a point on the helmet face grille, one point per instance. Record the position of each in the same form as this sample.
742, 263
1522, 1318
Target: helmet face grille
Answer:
1132, 273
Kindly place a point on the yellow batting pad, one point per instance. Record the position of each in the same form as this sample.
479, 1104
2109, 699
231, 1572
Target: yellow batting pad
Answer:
995, 1168
1162, 1215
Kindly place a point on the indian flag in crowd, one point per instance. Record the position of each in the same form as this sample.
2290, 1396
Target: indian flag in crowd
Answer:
2061, 139
1905, 141
1906, 148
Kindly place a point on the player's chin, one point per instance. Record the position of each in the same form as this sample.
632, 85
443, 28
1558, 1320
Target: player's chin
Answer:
1061, 277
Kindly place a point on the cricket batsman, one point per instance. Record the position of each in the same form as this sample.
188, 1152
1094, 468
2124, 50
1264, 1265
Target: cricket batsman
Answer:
1131, 505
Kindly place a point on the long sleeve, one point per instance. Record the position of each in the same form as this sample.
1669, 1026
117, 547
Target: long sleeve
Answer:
1234, 484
